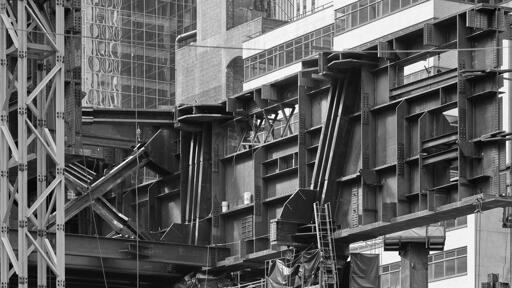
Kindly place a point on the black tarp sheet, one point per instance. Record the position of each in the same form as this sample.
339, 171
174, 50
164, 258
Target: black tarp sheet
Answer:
364, 270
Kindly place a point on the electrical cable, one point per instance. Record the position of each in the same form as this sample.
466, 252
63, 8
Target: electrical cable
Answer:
142, 42
104, 274
98, 241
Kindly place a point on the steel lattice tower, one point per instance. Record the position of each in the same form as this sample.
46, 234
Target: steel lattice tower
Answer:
32, 37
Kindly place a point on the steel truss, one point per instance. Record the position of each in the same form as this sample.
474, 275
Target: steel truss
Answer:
37, 74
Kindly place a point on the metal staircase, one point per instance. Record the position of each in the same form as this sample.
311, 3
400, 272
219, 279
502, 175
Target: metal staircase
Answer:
328, 275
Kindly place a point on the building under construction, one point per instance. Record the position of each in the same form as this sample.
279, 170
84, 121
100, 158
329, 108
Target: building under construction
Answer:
255, 143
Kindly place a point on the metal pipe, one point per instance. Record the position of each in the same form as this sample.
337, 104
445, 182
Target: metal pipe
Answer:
184, 36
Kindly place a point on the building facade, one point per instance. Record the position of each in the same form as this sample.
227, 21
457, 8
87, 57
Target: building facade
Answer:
128, 57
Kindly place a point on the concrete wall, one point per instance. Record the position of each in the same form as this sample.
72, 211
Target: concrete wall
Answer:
200, 70
492, 247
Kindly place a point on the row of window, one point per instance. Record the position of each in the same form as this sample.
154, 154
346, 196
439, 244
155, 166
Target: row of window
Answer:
364, 11
106, 82
129, 20
114, 51
166, 8
447, 264
441, 265
125, 101
289, 52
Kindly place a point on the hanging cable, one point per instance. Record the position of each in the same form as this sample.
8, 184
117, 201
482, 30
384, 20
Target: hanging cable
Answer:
98, 241
142, 42
95, 225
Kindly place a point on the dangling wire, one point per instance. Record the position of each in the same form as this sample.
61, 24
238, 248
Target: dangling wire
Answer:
96, 227
98, 241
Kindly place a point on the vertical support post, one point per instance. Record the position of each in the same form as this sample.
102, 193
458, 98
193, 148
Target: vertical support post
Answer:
42, 267
59, 143
4, 154
217, 183
464, 60
509, 117
414, 273
402, 169
260, 193
22, 146
304, 121
369, 195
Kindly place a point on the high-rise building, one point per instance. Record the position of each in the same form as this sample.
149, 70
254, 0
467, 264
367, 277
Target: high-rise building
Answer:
128, 52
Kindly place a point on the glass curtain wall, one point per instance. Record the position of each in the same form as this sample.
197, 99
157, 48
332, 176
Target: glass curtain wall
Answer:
128, 51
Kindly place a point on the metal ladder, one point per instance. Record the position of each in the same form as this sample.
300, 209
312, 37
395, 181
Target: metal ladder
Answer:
328, 275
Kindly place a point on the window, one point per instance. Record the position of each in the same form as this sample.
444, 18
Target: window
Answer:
447, 264
289, 52
364, 11
390, 275
442, 265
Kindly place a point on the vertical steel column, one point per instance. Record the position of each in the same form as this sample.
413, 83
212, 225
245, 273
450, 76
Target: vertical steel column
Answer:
59, 143
4, 154
42, 267
22, 145
507, 211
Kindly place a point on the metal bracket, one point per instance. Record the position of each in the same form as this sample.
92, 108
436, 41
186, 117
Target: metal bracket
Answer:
4, 117
22, 224
59, 227
4, 285
59, 115
4, 173
41, 122
22, 110
22, 280
41, 178
41, 233
22, 54
59, 3
4, 229
3, 62
22, 167
59, 58
59, 170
